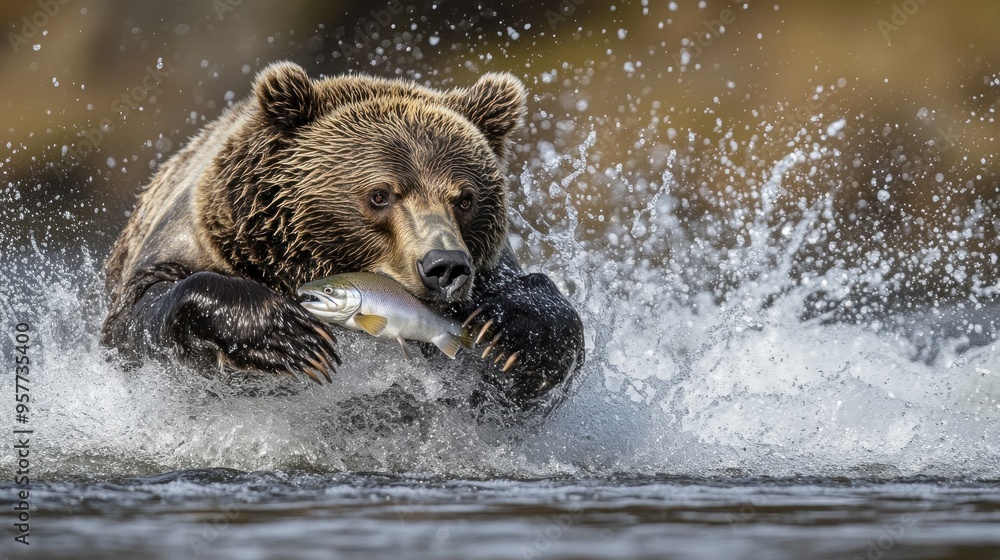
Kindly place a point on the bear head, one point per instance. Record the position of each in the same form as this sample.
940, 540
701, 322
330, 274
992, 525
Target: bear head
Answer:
355, 173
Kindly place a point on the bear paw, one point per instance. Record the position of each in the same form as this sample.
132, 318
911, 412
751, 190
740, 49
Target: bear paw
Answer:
252, 327
533, 338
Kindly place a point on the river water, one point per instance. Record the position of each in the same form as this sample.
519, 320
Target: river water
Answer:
791, 317
230, 514
700, 427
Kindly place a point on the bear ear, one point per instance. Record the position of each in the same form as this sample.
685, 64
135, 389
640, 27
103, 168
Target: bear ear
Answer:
286, 95
496, 104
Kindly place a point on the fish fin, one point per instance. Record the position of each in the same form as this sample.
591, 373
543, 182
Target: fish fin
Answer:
466, 338
407, 353
372, 324
448, 343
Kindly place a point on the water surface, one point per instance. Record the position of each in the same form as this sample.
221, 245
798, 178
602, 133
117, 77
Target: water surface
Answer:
229, 514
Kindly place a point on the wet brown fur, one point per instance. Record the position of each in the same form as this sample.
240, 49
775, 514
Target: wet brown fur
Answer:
278, 189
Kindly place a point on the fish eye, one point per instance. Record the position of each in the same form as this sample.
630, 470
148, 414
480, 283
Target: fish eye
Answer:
328, 290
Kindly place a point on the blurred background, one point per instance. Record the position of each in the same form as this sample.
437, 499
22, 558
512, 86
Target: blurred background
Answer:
888, 106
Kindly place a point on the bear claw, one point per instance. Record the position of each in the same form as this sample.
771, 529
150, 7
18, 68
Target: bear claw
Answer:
490, 346
313, 374
321, 365
472, 316
510, 362
482, 332
331, 345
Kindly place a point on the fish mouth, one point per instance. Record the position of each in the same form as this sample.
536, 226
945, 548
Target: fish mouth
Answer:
323, 306
314, 301
307, 297
312, 297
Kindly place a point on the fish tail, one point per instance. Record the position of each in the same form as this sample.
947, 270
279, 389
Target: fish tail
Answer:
448, 343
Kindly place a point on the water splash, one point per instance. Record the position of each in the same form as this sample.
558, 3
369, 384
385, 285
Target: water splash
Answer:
737, 322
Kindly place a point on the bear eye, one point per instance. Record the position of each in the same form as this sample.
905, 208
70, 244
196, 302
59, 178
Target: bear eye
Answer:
379, 199
465, 203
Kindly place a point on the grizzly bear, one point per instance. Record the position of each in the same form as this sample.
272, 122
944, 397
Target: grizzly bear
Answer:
308, 178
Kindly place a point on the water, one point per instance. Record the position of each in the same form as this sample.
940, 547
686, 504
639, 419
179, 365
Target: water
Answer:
220, 513
791, 331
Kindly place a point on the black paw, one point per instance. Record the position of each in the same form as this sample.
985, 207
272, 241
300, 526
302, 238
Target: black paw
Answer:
249, 326
529, 336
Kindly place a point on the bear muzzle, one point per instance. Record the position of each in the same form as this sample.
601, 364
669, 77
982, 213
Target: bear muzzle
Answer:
445, 272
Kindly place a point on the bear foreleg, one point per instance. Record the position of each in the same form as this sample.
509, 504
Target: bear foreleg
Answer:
235, 322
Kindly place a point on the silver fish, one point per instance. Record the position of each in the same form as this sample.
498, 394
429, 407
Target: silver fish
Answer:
381, 307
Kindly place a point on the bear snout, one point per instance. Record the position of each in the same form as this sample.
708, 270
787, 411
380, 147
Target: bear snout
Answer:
445, 272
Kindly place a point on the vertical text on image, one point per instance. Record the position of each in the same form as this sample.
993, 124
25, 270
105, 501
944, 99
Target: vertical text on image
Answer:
22, 430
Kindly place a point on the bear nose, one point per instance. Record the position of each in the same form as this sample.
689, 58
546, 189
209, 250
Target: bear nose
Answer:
444, 272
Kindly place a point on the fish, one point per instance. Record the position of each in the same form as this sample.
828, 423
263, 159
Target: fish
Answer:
381, 307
